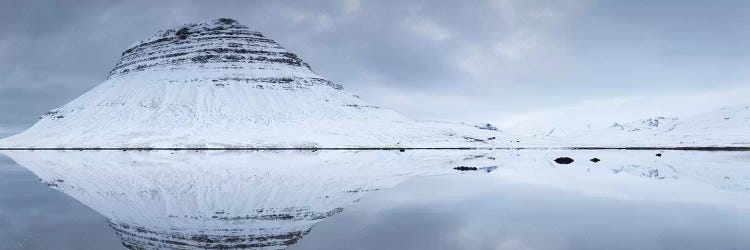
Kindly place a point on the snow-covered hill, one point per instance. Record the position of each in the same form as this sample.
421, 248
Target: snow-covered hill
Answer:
726, 127
657, 124
219, 84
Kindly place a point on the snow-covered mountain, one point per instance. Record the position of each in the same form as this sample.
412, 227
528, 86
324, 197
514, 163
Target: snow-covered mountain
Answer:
219, 84
726, 127
656, 124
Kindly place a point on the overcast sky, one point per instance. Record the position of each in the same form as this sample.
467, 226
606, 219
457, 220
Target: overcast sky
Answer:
517, 63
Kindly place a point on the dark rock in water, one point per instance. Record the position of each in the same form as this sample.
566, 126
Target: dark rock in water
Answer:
487, 169
465, 168
402, 150
658, 154
564, 160
595, 160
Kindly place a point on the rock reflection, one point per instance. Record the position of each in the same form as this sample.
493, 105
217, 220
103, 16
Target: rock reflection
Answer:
227, 200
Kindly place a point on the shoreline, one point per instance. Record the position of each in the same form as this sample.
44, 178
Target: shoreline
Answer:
691, 148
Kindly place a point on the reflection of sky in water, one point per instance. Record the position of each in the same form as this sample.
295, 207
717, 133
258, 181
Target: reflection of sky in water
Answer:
482, 213
33, 216
631, 200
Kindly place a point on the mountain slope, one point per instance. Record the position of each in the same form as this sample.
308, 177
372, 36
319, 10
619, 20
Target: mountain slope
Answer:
726, 127
220, 84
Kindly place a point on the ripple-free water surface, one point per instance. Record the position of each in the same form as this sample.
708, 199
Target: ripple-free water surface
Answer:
518, 199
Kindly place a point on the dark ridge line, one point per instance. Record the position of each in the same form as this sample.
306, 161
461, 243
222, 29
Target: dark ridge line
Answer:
711, 148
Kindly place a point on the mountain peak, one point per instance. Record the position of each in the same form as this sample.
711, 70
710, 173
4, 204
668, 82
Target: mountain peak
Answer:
225, 21
219, 44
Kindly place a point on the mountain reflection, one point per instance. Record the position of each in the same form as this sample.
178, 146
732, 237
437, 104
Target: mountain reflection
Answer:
272, 199
228, 200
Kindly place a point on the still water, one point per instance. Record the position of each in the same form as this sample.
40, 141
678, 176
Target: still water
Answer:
516, 199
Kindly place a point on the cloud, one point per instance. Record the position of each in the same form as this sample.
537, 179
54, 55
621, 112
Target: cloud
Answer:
516, 46
495, 61
317, 21
428, 29
351, 6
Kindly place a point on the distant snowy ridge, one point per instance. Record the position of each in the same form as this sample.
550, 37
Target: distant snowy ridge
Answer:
729, 126
725, 127
653, 124
220, 85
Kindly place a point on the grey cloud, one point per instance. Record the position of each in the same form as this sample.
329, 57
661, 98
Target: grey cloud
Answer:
448, 57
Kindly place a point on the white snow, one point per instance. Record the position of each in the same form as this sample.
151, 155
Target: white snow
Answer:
726, 127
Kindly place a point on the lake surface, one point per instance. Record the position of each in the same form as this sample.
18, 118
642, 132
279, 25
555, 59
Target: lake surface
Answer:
516, 199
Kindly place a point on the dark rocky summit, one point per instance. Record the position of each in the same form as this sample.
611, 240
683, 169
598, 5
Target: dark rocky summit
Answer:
220, 44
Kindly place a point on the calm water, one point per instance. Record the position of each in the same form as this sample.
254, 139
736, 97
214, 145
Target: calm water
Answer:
374, 200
